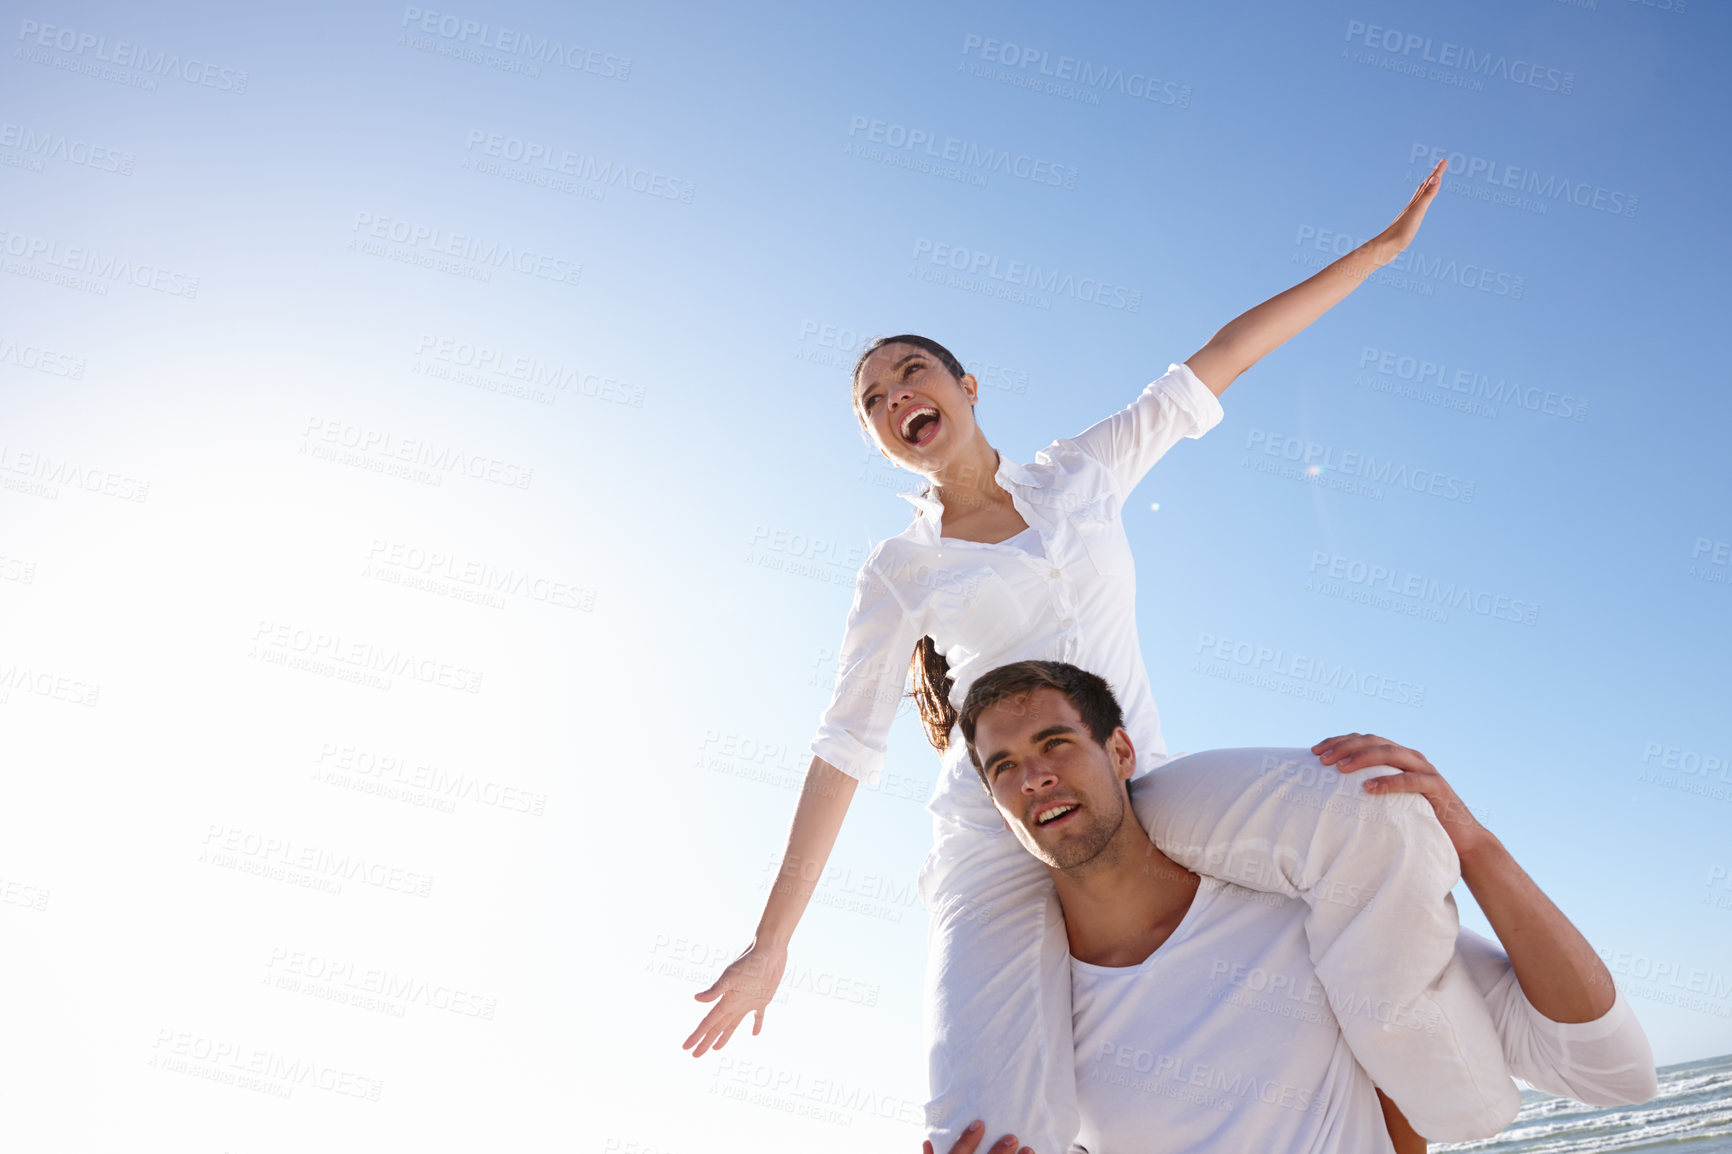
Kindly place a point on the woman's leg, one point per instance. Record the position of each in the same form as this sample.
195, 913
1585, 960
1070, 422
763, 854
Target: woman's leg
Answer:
998, 1014
1377, 874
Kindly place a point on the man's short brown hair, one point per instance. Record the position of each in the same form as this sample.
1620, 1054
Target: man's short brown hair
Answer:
1089, 694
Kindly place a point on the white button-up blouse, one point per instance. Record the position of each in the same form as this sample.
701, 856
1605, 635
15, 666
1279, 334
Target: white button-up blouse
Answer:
988, 605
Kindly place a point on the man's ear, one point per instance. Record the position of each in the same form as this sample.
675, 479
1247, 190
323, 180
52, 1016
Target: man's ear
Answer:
1124, 754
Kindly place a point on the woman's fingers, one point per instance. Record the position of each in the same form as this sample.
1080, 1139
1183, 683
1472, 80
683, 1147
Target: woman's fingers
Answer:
1404, 783
712, 1024
969, 1142
1358, 750
1324, 748
1402, 230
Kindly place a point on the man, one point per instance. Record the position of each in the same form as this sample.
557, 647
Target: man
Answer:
1198, 1021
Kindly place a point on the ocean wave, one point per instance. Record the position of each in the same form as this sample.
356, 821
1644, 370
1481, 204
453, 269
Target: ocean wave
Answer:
1691, 1114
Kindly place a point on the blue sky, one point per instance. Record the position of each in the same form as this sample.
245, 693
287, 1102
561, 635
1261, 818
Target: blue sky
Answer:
426, 442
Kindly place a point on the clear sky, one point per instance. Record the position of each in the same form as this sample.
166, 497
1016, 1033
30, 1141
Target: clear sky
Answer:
429, 505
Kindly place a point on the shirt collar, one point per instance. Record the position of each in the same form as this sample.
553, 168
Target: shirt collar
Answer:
1011, 471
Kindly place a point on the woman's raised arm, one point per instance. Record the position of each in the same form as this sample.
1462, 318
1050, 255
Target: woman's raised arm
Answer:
750, 981
1252, 335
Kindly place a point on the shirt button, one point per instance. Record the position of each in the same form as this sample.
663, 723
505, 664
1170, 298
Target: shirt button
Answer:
1068, 622
1054, 574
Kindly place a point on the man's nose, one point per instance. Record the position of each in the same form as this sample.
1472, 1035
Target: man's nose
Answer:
1036, 776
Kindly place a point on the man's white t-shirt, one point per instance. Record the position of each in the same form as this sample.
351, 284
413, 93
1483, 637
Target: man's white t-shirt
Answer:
1223, 1040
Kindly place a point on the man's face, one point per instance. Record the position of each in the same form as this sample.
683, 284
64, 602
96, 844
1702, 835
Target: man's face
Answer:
1060, 791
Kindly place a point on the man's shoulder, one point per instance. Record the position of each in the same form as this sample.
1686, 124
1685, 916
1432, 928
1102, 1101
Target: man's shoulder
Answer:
1223, 899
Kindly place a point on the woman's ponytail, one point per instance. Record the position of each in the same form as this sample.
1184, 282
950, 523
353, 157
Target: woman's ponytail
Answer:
930, 673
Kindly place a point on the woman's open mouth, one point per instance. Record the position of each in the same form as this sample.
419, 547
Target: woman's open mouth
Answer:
919, 425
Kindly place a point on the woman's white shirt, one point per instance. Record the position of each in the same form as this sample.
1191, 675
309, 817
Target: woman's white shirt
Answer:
985, 605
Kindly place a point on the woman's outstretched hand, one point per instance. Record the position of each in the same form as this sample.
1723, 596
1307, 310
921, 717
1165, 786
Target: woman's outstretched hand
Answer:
1350, 751
970, 1142
1405, 227
745, 987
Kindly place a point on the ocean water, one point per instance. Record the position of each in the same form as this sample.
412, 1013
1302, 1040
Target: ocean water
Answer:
1692, 1114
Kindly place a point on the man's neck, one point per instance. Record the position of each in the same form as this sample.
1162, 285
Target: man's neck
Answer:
1120, 906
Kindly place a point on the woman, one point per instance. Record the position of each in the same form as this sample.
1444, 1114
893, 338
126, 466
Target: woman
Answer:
1004, 562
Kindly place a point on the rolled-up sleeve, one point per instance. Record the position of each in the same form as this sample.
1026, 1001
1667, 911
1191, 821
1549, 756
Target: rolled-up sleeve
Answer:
1605, 1062
870, 675
1130, 441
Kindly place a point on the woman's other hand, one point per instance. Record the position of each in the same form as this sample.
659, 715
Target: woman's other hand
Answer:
970, 1142
1405, 227
745, 987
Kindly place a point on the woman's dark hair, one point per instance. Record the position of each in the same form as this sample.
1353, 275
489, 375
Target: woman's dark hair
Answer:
944, 355
927, 667
930, 673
